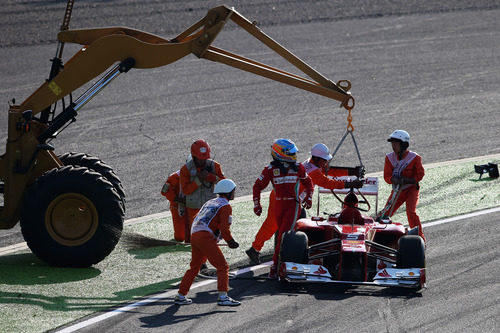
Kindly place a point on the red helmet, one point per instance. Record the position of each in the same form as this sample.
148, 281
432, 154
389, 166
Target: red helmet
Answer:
200, 149
351, 215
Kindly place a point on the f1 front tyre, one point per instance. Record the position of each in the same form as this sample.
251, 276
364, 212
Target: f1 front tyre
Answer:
411, 252
294, 247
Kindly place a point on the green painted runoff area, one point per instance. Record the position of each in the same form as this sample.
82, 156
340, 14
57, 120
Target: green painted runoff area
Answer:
35, 297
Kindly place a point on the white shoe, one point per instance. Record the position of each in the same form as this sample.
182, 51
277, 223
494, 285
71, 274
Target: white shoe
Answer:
182, 300
227, 301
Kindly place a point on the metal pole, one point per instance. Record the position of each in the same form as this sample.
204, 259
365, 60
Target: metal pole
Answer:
122, 67
97, 87
340, 144
356, 146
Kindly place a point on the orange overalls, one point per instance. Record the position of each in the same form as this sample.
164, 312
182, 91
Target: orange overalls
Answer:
172, 191
212, 223
287, 203
190, 184
410, 166
269, 226
319, 178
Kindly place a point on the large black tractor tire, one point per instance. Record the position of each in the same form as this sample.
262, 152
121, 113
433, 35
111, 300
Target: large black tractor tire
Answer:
97, 165
71, 217
294, 247
411, 252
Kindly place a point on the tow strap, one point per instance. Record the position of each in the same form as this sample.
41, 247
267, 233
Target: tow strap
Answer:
349, 131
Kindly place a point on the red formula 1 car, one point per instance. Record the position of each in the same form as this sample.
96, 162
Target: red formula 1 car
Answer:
351, 248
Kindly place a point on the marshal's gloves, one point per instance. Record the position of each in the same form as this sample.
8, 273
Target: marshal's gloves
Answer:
211, 178
233, 244
396, 180
358, 171
204, 175
406, 180
358, 183
257, 208
402, 180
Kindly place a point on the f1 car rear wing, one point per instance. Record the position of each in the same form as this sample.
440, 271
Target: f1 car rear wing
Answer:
370, 188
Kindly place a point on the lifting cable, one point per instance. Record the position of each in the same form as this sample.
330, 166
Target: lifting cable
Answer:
349, 130
348, 105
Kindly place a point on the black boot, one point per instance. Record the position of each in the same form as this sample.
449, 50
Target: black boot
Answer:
253, 255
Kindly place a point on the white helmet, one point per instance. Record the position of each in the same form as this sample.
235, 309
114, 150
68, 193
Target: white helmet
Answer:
400, 135
321, 150
224, 186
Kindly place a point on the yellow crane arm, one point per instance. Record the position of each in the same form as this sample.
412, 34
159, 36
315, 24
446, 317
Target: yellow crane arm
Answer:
28, 155
103, 47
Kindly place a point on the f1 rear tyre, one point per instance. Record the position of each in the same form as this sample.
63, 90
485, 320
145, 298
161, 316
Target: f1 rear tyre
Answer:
411, 252
97, 165
294, 247
71, 217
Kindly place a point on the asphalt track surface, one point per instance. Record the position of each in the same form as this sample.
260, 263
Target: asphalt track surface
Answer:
462, 295
429, 67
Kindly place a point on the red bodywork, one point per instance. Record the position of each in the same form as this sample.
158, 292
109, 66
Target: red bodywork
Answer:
348, 258
351, 248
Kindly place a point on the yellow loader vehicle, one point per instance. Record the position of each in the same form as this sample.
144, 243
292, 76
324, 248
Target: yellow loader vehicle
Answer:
71, 206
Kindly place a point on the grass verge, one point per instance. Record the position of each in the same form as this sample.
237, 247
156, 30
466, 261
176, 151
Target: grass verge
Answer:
35, 297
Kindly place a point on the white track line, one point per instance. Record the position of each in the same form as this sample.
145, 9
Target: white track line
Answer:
157, 297
13, 248
461, 217
22, 246
171, 293
373, 174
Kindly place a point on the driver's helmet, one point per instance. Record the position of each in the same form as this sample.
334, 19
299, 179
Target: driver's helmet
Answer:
351, 200
284, 150
350, 215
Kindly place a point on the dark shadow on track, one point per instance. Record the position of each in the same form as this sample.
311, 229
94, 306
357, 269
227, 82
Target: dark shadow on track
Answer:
26, 269
170, 317
252, 285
